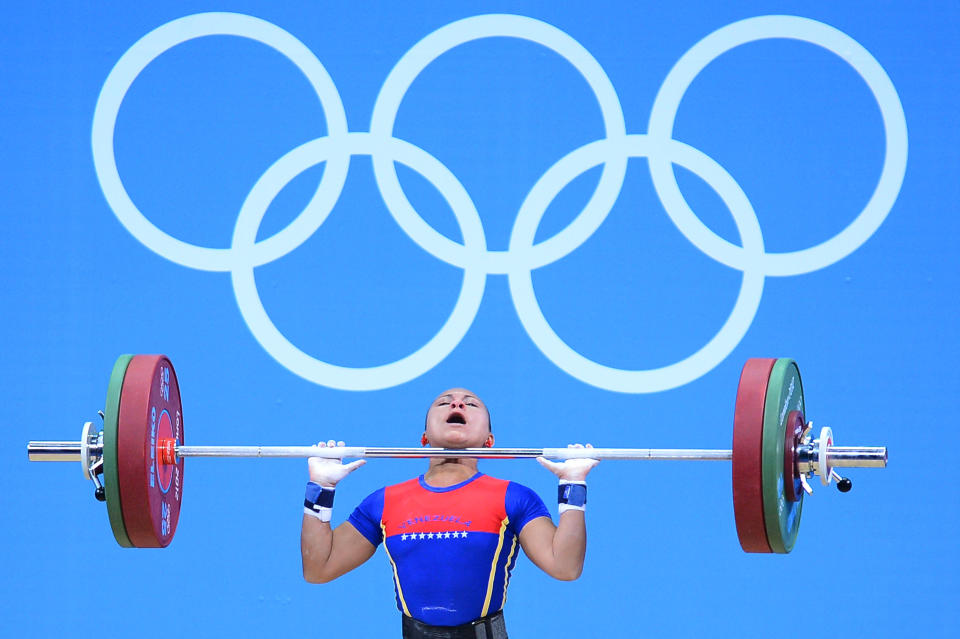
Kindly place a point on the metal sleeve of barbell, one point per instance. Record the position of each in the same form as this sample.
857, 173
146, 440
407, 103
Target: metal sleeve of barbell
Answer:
857, 456
53, 451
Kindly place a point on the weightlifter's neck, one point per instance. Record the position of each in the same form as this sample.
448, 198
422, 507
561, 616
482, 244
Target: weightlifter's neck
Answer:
444, 473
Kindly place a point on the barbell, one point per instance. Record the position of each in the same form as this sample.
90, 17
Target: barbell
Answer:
136, 460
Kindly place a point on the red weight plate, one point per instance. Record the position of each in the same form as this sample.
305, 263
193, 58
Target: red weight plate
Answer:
150, 491
792, 486
748, 455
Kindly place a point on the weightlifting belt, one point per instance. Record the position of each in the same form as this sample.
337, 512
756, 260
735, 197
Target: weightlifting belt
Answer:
489, 627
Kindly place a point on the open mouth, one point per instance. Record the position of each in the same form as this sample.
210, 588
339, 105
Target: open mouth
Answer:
456, 418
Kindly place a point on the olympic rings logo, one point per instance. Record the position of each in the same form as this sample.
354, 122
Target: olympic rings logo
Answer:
523, 255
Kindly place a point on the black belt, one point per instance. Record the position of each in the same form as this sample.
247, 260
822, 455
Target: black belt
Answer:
489, 627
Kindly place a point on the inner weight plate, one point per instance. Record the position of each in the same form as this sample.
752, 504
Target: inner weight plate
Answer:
781, 515
792, 485
150, 491
111, 480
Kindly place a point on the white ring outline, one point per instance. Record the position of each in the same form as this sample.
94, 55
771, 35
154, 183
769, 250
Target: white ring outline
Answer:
336, 149
678, 80
441, 41
121, 78
708, 356
345, 377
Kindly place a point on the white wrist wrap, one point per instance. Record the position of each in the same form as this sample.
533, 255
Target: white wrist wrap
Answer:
323, 514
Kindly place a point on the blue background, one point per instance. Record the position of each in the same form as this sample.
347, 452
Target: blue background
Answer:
873, 333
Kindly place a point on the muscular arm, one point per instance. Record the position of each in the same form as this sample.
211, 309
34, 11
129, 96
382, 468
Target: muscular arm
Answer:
560, 550
557, 550
328, 553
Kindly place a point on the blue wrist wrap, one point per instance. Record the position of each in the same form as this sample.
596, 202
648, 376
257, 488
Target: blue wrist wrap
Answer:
572, 495
318, 501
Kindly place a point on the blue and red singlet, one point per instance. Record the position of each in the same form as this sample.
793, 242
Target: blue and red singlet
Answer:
451, 549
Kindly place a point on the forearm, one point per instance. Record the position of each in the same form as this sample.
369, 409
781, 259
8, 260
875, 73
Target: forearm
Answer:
316, 546
569, 545
327, 553
560, 551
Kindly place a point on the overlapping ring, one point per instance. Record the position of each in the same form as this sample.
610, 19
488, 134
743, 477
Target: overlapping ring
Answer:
522, 256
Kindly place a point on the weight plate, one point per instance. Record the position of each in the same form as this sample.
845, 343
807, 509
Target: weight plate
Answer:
781, 516
748, 455
111, 480
150, 491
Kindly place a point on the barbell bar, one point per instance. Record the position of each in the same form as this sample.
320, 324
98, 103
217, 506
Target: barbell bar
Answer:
838, 456
140, 453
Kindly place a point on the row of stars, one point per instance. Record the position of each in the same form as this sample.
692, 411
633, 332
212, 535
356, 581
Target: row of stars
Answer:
447, 535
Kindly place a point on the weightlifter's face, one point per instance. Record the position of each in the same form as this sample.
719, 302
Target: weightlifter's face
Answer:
458, 419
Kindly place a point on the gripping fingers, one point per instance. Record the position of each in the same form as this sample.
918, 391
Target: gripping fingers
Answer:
570, 469
327, 472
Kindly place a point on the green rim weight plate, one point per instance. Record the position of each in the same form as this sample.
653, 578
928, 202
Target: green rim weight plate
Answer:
781, 516
111, 478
